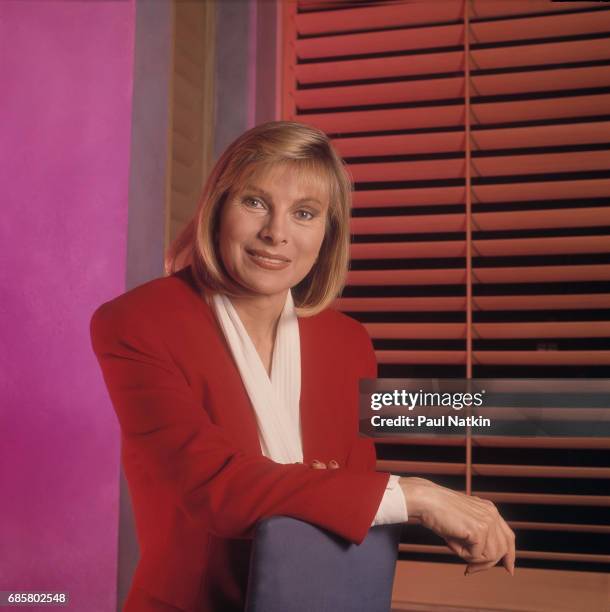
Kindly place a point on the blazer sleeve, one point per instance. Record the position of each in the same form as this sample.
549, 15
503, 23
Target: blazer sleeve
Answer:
213, 481
362, 455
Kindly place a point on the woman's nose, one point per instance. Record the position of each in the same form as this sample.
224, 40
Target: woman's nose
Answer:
275, 230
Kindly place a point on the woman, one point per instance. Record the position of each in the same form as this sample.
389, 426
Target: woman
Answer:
235, 385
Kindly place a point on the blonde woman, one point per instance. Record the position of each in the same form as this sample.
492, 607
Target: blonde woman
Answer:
236, 387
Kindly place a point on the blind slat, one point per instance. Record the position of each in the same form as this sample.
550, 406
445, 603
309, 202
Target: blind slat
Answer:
536, 136
431, 196
379, 17
397, 304
380, 42
403, 250
539, 219
378, 68
542, 358
421, 357
546, 26
416, 330
408, 171
543, 302
531, 110
407, 277
543, 329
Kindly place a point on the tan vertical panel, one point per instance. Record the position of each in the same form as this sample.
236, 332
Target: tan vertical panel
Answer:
192, 110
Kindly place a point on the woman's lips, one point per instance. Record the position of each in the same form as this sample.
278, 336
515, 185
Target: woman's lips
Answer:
268, 262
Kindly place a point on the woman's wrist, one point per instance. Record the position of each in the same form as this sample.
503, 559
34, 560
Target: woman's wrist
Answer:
417, 494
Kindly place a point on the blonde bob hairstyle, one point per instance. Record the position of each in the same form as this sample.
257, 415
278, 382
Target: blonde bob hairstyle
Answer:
278, 142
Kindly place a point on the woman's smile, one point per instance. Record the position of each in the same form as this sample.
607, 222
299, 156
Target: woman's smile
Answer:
267, 260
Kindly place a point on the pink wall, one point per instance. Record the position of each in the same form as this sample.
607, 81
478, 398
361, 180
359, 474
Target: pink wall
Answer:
65, 109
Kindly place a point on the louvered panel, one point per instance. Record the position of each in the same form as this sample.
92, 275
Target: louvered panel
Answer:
384, 93
373, 17
185, 90
543, 135
546, 163
527, 64
380, 42
184, 149
543, 329
546, 190
408, 171
380, 120
540, 54
184, 204
541, 246
541, 219
549, 26
408, 224
432, 196
402, 144
542, 358
530, 110
539, 81
188, 66
402, 250
186, 178
543, 302
377, 278
182, 125
416, 330
402, 304
379, 68
421, 357
190, 145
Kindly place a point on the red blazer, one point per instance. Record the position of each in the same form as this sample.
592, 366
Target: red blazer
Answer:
190, 449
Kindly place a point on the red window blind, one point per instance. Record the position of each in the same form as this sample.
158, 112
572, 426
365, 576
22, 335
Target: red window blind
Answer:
478, 137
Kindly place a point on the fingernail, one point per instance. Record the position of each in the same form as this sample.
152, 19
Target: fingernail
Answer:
333, 464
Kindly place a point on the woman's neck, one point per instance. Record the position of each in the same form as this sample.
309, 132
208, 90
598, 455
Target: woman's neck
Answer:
260, 316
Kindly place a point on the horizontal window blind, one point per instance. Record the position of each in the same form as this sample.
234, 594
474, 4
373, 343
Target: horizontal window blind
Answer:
478, 137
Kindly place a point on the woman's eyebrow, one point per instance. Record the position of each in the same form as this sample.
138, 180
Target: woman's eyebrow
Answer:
258, 190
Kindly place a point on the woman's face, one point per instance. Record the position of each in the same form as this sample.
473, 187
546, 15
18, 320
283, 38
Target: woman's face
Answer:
271, 230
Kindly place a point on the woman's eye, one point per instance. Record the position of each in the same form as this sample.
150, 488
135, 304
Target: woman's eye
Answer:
253, 203
304, 215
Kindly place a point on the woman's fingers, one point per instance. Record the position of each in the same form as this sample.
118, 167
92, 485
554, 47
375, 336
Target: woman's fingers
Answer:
319, 465
510, 556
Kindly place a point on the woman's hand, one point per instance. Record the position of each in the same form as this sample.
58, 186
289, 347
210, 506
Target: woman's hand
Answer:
319, 465
472, 527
